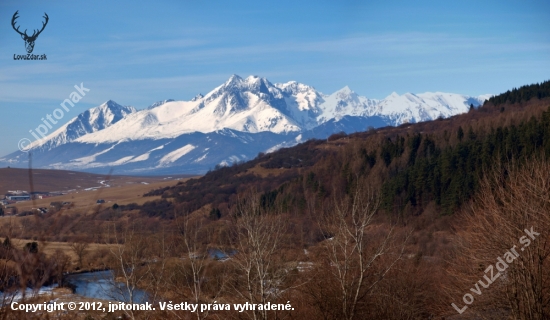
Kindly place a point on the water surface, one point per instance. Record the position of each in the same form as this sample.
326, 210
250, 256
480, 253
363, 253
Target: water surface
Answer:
101, 285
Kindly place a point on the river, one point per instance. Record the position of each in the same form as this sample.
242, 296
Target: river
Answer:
101, 285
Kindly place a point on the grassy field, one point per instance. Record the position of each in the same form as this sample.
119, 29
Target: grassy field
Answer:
87, 199
50, 247
114, 189
63, 181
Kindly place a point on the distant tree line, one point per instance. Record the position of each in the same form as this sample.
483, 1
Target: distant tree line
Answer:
450, 175
524, 93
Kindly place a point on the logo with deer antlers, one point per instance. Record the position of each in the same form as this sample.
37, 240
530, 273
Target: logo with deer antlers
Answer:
29, 40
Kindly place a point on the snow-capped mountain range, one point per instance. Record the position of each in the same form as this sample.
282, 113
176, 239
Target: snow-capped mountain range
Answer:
90, 121
233, 122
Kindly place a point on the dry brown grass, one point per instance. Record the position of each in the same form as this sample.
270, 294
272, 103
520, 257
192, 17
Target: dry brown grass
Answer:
123, 190
62, 180
51, 247
45, 180
262, 172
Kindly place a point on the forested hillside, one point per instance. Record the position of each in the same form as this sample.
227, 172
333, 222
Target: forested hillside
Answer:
523, 94
449, 175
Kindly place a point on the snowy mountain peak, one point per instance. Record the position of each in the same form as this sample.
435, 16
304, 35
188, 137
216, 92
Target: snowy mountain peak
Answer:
109, 111
197, 97
253, 104
294, 88
393, 95
253, 79
238, 86
234, 79
90, 121
345, 93
111, 106
346, 90
159, 103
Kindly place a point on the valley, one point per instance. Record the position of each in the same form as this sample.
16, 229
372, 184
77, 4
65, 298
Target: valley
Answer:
275, 160
401, 199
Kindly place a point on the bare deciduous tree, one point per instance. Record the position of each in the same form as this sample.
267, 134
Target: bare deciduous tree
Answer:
191, 278
139, 262
80, 249
359, 253
512, 202
62, 263
257, 237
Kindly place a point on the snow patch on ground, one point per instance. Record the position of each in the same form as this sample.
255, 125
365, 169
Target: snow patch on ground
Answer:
176, 154
121, 161
146, 155
201, 158
90, 159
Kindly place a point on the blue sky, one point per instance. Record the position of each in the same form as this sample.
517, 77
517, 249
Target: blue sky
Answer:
136, 53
